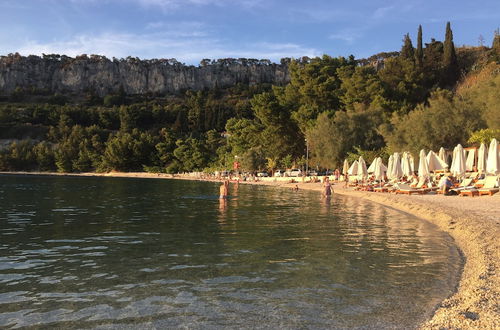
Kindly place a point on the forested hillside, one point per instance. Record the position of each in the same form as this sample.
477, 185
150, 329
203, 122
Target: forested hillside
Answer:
426, 95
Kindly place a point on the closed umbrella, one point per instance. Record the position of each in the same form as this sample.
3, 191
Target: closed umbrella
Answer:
442, 154
423, 168
397, 171
389, 166
405, 164
481, 158
471, 157
493, 161
362, 171
412, 162
458, 163
371, 168
353, 170
379, 169
434, 163
345, 168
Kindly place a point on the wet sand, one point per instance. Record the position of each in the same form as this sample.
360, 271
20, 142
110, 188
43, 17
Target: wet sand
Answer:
474, 224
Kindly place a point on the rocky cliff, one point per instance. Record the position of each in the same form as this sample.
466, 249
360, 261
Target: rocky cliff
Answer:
63, 74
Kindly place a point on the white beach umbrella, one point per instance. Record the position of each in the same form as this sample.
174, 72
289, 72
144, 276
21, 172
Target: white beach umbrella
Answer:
471, 157
481, 158
390, 164
405, 165
353, 170
345, 168
423, 168
493, 161
397, 171
458, 163
434, 163
362, 171
412, 162
442, 154
371, 168
379, 169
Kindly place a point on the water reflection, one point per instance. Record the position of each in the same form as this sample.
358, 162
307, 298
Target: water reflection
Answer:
119, 253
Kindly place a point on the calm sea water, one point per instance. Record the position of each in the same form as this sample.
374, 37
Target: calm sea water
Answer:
122, 253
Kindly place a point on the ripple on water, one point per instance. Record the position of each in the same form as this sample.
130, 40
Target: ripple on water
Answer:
112, 253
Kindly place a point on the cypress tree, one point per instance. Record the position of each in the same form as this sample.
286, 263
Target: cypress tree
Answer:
450, 63
496, 45
419, 53
407, 51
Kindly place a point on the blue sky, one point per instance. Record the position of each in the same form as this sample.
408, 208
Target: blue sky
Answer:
190, 30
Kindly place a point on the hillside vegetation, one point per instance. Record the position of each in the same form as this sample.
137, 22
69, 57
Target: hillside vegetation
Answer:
424, 96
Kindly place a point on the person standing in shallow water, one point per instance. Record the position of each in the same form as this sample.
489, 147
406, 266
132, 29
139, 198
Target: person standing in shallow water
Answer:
327, 188
224, 189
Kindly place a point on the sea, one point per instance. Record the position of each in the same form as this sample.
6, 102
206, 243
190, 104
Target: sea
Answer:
115, 253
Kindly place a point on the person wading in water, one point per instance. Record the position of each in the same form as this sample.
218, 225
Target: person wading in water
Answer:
224, 189
327, 190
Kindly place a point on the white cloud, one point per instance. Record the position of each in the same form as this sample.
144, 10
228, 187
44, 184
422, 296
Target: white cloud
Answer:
382, 12
347, 35
146, 46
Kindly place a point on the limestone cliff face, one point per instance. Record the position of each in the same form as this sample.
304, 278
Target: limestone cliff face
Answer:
64, 74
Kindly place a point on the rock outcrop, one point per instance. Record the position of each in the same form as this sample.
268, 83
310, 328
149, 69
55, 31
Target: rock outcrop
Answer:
63, 74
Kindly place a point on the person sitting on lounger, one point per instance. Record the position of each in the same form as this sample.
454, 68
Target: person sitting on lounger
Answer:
445, 184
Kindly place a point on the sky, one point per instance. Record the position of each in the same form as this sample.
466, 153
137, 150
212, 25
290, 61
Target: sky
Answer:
191, 30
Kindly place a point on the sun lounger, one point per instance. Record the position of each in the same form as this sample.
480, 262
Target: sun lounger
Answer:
385, 188
466, 184
469, 192
490, 186
403, 188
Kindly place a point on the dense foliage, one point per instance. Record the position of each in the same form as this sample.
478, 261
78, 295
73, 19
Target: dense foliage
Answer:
426, 97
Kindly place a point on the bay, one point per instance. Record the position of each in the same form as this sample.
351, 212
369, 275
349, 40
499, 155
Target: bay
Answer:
87, 252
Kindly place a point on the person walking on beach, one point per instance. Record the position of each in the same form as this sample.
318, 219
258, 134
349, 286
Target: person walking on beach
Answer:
327, 188
224, 189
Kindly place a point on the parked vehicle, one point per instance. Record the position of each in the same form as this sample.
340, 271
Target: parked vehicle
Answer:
312, 173
262, 174
279, 173
294, 172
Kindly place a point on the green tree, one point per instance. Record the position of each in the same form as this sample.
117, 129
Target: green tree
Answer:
334, 135
495, 47
280, 135
419, 52
45, 157
445, 122
403, 84
451, 71
361, 85
407, 51
190, 154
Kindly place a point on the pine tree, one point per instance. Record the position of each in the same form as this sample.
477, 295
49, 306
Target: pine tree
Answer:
407, 51
450, 64
419, 53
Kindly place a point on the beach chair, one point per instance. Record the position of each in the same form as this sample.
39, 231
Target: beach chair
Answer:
431, 187
469, 192
384, 188
403, 188
490, 186
487, 187
464, 185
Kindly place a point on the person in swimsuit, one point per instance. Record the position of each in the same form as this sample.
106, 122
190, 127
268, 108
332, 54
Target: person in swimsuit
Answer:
224, 189
327, 190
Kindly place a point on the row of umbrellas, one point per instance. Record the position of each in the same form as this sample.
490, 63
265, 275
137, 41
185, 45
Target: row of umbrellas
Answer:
399, 166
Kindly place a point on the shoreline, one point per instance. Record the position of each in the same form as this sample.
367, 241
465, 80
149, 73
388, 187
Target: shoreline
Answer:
472, 222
